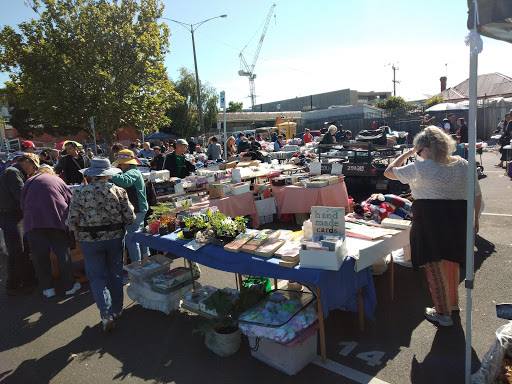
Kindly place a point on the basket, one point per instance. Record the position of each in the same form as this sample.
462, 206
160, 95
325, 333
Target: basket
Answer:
147, 267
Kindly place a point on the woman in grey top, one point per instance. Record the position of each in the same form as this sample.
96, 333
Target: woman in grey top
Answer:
214, 151
438, 184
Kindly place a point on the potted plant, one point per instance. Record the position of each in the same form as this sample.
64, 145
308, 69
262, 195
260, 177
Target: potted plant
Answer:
188, 229
222, 334
185, 212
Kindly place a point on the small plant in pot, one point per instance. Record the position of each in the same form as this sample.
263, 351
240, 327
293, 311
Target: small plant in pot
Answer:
189, 228
222, 334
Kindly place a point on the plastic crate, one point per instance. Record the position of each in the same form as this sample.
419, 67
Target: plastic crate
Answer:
147, 267
280, 321
289, 358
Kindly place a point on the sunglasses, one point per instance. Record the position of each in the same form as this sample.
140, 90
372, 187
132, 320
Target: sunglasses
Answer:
419, 152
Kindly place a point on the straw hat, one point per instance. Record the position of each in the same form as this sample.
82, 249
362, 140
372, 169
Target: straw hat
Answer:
126, 156
32, 157
100, 166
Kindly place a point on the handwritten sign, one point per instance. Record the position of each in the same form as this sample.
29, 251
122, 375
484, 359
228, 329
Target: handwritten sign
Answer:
328, 220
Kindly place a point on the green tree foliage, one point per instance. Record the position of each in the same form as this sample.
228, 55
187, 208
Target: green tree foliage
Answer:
234, 107
83, 58
185, 115
437, 99
395, 102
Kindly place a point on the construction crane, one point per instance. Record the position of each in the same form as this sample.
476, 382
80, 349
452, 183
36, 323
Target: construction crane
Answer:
247, 70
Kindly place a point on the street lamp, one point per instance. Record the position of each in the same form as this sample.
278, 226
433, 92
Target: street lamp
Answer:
192, 28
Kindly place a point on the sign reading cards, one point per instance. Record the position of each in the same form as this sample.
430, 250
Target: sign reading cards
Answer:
328, 220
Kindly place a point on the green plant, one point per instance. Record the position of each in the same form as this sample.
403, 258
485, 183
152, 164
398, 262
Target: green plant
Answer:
228, 310
186, 206
163, 212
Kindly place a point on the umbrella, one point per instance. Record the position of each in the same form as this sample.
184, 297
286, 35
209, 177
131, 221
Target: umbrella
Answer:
446, 107
63, 143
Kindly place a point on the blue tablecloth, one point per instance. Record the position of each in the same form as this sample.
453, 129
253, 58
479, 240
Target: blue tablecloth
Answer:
338, 288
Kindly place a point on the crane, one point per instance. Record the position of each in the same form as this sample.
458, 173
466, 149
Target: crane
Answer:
247, 70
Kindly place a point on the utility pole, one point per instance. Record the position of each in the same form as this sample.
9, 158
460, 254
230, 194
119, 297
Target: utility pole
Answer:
394, 79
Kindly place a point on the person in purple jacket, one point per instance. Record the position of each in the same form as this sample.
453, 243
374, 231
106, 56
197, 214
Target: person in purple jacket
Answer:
44, 200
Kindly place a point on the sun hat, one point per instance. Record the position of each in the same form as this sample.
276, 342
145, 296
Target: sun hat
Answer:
32, 157
100, 166
126, 156
27, 144
182, 142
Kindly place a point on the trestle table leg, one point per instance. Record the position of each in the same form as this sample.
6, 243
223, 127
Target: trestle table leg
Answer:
323, 352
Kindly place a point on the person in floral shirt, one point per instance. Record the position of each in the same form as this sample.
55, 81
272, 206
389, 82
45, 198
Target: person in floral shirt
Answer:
99, 213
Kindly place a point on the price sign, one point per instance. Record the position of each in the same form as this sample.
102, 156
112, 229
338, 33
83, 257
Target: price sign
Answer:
222, 99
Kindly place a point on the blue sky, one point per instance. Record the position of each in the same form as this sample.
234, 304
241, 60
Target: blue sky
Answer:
313, 47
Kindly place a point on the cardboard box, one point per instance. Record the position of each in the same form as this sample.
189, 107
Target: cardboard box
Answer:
219, 189
324, 259
238, 189
228, 165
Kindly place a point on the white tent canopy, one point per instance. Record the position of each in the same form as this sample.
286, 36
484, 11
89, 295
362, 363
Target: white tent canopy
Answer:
447, 107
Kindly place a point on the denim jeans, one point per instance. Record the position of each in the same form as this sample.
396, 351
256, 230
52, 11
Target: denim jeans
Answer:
42, 241
104, 269
134, 248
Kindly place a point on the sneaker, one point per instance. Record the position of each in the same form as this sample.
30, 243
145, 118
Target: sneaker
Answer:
49, 292
108, 323
73, 290
118, 315
443, 320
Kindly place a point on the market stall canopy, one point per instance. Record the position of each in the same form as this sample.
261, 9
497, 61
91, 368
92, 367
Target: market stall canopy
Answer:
494, 18
446, 107
159, 136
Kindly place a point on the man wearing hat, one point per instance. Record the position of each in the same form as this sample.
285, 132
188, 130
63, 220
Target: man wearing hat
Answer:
71, 164
27, 146
307, 137
176, 163
20, 272
131, 180
99, 213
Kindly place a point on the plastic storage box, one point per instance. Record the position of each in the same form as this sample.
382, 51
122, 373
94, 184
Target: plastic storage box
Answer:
147, 267
280, 317
289, 358
173, 280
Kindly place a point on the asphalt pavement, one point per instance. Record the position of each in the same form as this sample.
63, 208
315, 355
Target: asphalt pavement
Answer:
60, 341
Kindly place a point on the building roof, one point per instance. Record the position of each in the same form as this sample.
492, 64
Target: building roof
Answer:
257, 116
489, 85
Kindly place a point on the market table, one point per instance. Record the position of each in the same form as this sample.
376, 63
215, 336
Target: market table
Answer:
292, 199
334, 288
233, 206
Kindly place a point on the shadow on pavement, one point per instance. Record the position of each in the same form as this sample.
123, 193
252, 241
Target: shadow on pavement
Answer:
25, 318
445, 361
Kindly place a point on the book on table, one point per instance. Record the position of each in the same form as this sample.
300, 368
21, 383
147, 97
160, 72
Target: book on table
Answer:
396, 223
269, 248
368, 232
289, 251
257, 241
239, 241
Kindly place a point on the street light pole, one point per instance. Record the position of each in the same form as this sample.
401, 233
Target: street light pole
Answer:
192, 28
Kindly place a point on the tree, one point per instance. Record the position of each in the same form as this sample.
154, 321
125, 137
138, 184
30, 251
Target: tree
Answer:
84, 58
185, 115
234, 107
437, 99
395, 102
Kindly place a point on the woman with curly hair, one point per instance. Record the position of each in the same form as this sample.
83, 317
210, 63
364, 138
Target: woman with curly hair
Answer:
439, 183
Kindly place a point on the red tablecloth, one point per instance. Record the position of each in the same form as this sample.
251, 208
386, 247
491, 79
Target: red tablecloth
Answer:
232, 206
291, 199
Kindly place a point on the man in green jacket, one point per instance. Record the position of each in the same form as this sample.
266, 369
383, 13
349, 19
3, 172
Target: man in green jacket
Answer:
131, 180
